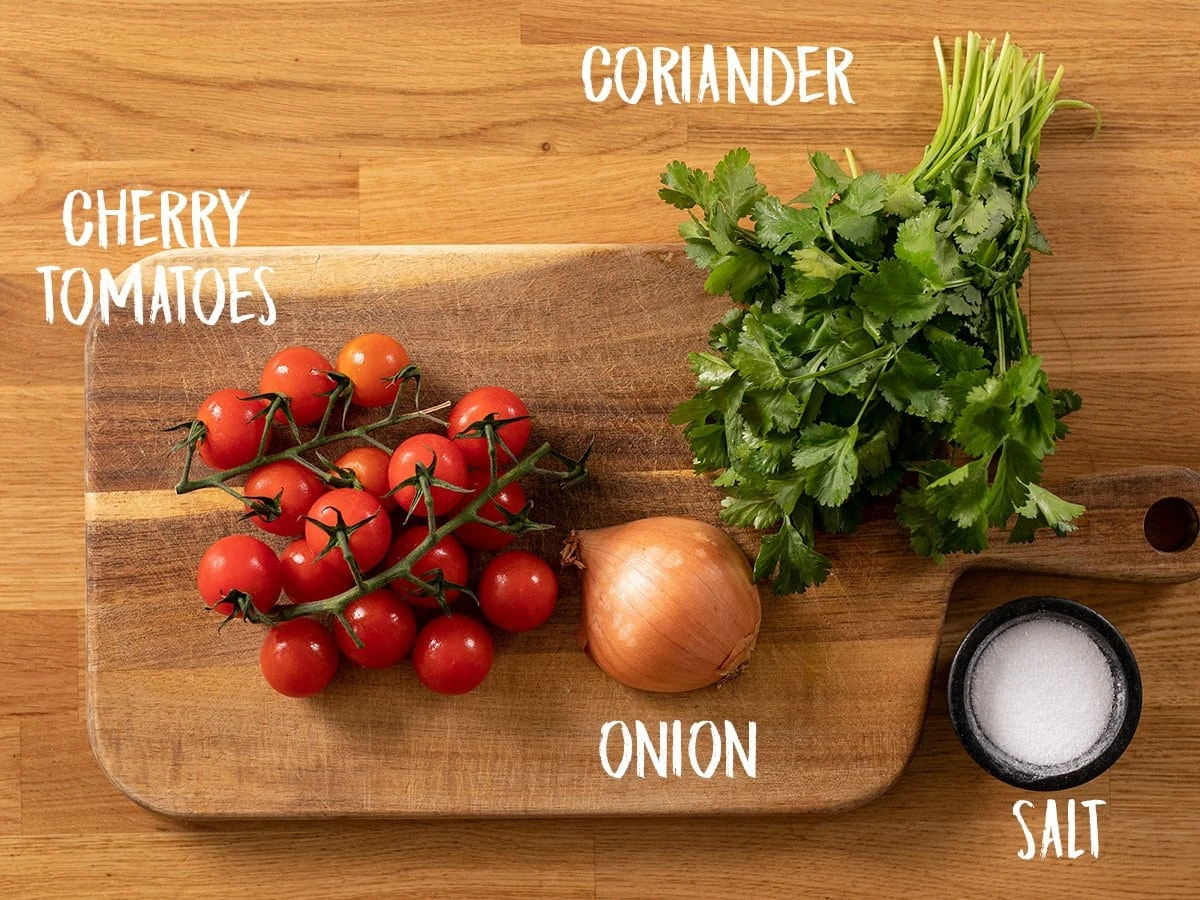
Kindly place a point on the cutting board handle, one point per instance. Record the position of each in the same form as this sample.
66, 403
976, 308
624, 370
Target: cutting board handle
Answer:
1140, 525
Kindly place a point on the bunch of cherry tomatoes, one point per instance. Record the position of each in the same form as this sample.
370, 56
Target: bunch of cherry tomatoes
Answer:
371, 498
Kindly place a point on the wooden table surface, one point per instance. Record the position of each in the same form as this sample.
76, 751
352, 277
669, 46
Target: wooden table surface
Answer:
465, 122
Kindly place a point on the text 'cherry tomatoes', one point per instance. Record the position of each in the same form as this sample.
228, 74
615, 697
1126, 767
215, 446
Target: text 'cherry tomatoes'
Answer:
453, 654
295, 487
299, 657
385, 625
517, 591
438, 454
447, 556
476, 406
300, 374
368, 542
370, 361
306, 578
233, 428
239, 562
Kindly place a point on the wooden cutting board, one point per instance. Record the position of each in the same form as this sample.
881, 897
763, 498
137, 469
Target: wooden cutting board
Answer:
595, 339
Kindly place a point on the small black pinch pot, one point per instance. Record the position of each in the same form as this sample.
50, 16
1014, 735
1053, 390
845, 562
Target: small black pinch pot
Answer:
1090, 764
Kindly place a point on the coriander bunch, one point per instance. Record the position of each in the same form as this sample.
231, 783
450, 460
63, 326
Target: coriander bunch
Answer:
878, 345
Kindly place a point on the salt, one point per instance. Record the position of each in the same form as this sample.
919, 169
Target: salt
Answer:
1042, 691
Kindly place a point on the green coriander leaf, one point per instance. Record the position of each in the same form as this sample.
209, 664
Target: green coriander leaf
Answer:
1037, 240
956, 356
853, 226
756, 358
708, 446
1050, 510
828, 169
902, 198
841, 519
825, 453
960, 495
686, 188
1034, 425
779, 409
1066, 401
830, 179
792, 560
763, 454
895, 292
816, 263
1026, 379
697, 409
875, 453
710, 370
963, 301
865, 194
787, 493
781, 228
751, 512
1016, 466
919, 243
702, 252
985, 419
736, 184
912, 384
722, 231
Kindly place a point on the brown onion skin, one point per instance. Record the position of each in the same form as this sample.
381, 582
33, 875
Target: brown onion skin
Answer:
669, 603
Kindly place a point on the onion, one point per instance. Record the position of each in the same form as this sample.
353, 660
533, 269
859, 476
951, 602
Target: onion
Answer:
669, 603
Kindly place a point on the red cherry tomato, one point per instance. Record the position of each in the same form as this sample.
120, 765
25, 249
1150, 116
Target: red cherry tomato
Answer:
478, 405
370, 466
485, 537
300, 374
368, 543
386, 626
306, 578
453, 654
443, 457
517, 591
234, 427
369, 361
447, 555
298, 657
243, 563
297, 488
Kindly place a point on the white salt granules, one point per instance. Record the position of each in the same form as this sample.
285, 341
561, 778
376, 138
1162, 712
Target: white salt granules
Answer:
1042, 691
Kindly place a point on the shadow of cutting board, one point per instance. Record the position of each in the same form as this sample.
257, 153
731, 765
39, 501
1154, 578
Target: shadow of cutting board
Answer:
595, 339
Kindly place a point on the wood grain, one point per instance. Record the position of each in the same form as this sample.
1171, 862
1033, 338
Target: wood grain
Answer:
272, 95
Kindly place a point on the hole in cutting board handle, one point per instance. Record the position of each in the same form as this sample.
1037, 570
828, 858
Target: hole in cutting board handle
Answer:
1171, 525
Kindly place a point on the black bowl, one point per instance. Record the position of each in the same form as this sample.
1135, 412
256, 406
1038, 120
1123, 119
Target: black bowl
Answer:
1126, 711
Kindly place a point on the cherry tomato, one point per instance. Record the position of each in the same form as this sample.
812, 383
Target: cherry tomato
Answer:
368, 543
299, 657
300, 374
517, 591
386, 626
447, 555
234, 427
297, 488
475, 407
432, 451
369, 361
370, 466
453, 654
306, 578
485, 537
243, 563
